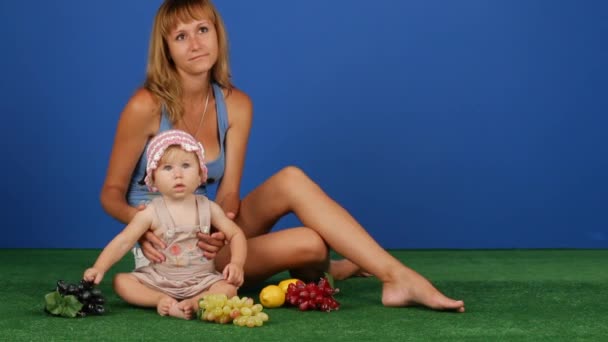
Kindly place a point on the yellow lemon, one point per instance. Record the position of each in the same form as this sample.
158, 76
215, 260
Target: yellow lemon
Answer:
272, 296
285, 283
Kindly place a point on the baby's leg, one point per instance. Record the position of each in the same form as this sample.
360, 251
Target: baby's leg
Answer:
222, 286
132, 291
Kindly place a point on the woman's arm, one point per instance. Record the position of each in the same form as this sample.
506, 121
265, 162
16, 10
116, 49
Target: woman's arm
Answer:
240, 113
138, 122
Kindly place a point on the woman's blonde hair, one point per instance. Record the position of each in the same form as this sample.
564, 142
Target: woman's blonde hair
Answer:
162, 78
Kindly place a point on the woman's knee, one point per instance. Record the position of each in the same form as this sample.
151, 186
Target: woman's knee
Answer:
311, 246
290, 177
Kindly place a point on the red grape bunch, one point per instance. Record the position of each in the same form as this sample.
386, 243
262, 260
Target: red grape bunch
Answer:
311, 296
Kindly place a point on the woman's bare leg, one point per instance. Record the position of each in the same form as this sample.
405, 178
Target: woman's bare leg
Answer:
290, 190
278, 251
133, 292
344, 268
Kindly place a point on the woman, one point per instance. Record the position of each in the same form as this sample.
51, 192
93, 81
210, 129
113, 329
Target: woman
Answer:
188, 87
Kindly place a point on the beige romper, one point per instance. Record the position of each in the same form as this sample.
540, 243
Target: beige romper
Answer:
185, 271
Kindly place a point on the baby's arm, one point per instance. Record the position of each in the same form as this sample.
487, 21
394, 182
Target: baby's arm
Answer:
120, 245
233, 273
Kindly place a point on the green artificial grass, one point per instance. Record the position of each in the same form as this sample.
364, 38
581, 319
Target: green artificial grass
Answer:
510, 295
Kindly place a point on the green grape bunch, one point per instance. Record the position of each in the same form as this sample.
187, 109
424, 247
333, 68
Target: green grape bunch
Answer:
218, 308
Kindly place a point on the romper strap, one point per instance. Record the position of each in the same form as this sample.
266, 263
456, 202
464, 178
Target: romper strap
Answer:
163, 214
204, 213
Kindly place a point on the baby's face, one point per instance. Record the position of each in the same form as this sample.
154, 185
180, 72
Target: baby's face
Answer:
178, 173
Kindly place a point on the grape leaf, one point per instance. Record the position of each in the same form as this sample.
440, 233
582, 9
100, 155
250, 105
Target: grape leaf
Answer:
71, 306
330, 279
54, 302
58, 305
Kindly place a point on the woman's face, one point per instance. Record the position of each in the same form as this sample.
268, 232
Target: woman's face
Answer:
193, 46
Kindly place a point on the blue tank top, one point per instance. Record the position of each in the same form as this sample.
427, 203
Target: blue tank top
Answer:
139, 193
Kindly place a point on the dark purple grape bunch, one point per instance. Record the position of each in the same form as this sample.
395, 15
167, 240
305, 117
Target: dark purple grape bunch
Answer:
88, 295
313, 296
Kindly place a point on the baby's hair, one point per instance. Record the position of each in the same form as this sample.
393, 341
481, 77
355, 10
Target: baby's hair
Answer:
172, 150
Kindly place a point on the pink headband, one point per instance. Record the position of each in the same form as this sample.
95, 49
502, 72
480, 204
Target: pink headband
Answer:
173, 137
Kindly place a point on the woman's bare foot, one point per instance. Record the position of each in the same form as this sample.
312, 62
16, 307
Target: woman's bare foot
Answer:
410, 288
164, 305
344, 268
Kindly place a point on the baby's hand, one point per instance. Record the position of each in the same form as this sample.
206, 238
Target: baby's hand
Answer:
233, 274
94, 275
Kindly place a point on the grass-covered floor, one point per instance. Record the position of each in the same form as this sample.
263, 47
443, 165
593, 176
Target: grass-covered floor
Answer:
510, 295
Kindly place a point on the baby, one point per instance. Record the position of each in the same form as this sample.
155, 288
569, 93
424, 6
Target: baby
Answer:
175, 168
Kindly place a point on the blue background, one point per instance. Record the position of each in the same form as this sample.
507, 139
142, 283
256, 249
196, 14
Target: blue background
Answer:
438, 124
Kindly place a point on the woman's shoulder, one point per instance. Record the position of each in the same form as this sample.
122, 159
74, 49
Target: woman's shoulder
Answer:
142, 112
238, 102
144, 101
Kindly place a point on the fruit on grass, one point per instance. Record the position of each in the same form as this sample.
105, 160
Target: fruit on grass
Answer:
312, 296
285, 283
272, 296
240, 311
71, 300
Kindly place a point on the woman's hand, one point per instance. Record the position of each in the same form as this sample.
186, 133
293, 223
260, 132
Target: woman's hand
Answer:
231, 204
211, 243
150, 245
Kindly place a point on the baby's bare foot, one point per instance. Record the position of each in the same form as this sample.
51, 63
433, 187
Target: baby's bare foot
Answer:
177, 310
187, 307
164, 305
411, 288
342, 269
